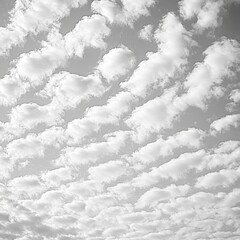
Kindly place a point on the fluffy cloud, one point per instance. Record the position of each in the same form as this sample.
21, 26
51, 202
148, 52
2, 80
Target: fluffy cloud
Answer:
174, 169
190, 138
207, 13
220, 60
28, 185
117, 62
223, 124
93, 152
29, 115
57, 176
98, 116
123, 12
28, 147
68, 90
89, 32
155, 195
108, 172
33, 17
146, 32
223, 178
174, 42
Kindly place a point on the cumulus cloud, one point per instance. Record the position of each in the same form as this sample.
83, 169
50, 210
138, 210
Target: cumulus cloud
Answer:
174, 42
155, 195
190, 138
68, 90
108, 172
207, 13
27, 185
116, 63
33, 17
119, 151
57, 176
93, 152
223, 124
174, 169
123, 12
98, 116
29, 147
146, 33
223, 178
29, 115
89, 32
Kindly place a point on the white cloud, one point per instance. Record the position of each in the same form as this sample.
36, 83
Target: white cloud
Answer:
116, 63
146, 33
6, 164
223, 124
68, 90
11, 89
28, 147
98, 116
57, 176
89, 32
33, 67
33, 17
108, 172
207, 13
123, 190
190, 138
155, 195
84, 189
28, 185
155, 114
174, 169
235, 95
29, 115
220, 62
174, 42
124, 12
93, 152
54, 136
223, 178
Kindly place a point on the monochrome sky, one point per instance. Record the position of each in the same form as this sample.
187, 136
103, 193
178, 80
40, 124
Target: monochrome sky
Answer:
119, 119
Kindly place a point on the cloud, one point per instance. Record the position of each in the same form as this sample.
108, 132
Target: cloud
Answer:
146, 33
174, 42
174, 169
155, 114
156, 195
190, 138
93, 152
29, 147
6, 164
89, 32
33, 67
54, 136
221, 59
33, 17
223, 178
98, 116
29, 115
207, 13
124, 12
223, 124
67, 90
28, 185
108, 172
116, 63
57, 176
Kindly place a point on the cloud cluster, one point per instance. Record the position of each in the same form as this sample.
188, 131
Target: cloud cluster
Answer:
141, 146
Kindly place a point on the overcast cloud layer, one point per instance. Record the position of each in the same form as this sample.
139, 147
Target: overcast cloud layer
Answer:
119, 120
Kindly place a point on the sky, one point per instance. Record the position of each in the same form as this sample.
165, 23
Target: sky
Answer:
119, 120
